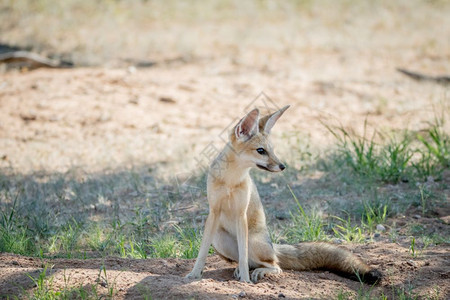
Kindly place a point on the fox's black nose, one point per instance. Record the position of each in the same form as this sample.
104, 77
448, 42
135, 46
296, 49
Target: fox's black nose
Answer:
282, 167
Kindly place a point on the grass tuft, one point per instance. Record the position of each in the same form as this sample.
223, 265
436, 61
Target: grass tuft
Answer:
358, 153
406, 157
348, 232
437, 142
306, 226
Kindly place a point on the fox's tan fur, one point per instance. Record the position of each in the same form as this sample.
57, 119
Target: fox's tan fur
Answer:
236, 224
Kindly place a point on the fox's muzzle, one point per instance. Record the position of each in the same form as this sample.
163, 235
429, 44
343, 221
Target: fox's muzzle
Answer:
272, 168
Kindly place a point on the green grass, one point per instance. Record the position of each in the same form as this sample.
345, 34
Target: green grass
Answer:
344, 229
424, 197
435, 151
44, 289
405, 157
190, 240
363, 294
311, 226
395, 158
305, 226
358, 153
373, 215
73, 239
437, 141
405, 292
70, 215
13, 235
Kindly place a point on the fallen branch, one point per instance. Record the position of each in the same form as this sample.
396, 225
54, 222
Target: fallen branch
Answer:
422, 77
30, 60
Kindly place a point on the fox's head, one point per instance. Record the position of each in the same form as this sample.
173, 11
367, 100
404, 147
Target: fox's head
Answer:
250, 139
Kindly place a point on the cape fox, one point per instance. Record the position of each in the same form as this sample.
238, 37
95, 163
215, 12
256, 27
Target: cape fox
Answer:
236, 224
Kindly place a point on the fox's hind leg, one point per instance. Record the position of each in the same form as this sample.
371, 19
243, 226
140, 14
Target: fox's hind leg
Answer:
262, 257
225, 245
259, 273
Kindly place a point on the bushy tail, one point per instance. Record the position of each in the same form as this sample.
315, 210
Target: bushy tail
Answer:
309, 256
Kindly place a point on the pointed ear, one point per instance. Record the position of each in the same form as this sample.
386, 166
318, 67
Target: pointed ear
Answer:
266, 123
247, 126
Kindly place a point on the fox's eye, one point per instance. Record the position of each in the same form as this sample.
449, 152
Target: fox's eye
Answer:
261, 151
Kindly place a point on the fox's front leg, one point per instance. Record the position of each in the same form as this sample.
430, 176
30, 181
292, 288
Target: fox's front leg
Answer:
242, 273
208, 234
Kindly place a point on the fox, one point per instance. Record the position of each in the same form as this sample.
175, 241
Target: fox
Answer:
236, 224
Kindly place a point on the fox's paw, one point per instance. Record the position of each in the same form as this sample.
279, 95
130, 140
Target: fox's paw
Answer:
259, 273
194, 275
238, 276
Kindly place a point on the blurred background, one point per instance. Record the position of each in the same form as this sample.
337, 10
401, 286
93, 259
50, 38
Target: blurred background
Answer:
176, 73
109, 32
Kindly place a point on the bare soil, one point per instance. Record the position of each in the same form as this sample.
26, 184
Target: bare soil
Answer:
111, 117
163, 278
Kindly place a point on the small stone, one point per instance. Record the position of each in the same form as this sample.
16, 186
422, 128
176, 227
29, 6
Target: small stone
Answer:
411, 263
281, 295
417, 217
54, 118
377, 234
134, 100
30, 116
281, 215
167, 100
104, 117
241, 294
131, 69
381, 228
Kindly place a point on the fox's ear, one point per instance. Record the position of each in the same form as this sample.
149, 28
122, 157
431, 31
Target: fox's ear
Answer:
266, 123
247, 126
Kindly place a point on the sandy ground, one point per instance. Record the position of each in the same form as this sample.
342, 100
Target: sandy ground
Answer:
113, 117
163, 278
